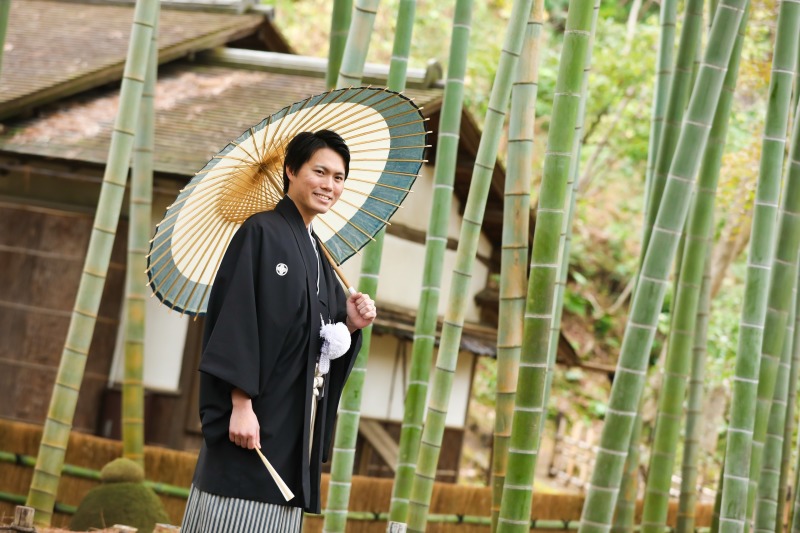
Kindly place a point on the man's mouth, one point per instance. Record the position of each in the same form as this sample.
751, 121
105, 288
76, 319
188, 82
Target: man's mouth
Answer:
323, 197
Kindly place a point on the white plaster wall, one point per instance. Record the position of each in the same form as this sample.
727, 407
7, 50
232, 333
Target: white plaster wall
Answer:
416, 209
164, 339
165, 333
385, 384
403, 260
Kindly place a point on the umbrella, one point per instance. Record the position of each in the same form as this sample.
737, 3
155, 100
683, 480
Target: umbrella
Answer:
385, 132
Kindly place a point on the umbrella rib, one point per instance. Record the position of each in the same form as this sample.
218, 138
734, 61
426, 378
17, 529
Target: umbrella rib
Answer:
255, 144
355, 134
355, 250
287, 120
188, 247
385, 118
195, 220
208, 287
376, 183
371, 141
162, 230
353, 115
325, 109
383, 148
196, 198
220, 238
382, 120
383, 171
323, 113
197, 203
396, 160
265, 129
361, 208
236, 144
231, 157
373, 197
349, 221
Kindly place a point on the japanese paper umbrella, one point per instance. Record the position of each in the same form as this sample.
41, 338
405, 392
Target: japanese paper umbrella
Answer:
385, 132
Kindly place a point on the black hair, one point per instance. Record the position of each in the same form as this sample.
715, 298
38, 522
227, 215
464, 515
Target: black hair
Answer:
305, 144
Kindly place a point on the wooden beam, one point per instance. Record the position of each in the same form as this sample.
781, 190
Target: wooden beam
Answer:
380, 440
418, 236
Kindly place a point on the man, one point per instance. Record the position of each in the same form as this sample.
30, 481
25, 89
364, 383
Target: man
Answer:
272, 293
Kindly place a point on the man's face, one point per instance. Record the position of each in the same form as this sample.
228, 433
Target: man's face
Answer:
317, 185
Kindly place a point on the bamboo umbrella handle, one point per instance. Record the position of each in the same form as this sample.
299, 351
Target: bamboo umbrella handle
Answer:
285, 490
338, 270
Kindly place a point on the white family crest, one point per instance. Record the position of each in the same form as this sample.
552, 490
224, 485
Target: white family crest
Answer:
281, 269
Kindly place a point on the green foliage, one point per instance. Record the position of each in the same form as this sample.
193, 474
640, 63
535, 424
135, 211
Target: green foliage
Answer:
122, 470
131, 504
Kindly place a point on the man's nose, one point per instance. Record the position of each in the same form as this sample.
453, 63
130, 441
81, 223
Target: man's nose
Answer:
327, 183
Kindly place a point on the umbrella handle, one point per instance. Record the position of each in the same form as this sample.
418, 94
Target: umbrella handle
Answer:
338, 270
285, 490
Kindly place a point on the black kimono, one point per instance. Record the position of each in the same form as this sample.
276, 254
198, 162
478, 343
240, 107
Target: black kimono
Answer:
262, 336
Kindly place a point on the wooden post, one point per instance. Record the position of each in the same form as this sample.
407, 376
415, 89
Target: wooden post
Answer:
23, 519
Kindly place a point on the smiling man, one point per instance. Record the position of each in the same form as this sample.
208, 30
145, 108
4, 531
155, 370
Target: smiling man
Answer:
262, 384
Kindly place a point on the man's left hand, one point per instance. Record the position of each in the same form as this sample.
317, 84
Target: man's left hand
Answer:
361, 311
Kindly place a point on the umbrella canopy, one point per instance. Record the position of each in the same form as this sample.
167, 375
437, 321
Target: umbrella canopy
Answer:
386, 135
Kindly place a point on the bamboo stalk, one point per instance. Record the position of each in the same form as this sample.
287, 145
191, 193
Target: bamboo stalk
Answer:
678, 364
742, 438
5, 13
679, 91
449, 347
666, 45
336, 510
516, 218
687, 504
340, 26
139, 231
711, 165
648, 298
789, 426
784, 272
357, 44
63, 401
769, 508
554, 225
435, 247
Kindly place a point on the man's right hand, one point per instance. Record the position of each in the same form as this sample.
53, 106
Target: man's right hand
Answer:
244, 430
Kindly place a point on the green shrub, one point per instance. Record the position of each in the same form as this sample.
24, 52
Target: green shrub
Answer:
122, 498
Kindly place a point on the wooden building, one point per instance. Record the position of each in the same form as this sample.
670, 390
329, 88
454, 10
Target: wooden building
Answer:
222, 70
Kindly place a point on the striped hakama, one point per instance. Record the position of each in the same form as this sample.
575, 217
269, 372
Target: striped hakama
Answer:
210, 513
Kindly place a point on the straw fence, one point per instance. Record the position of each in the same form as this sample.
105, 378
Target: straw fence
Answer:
369, 496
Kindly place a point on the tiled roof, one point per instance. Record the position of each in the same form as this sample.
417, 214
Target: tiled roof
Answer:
54, 49
199, 109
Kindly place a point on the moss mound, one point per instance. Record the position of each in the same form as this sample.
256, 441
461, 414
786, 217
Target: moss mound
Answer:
121, 499
122, 471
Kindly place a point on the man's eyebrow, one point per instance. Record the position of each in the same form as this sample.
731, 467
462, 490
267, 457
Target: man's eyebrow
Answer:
325, 167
